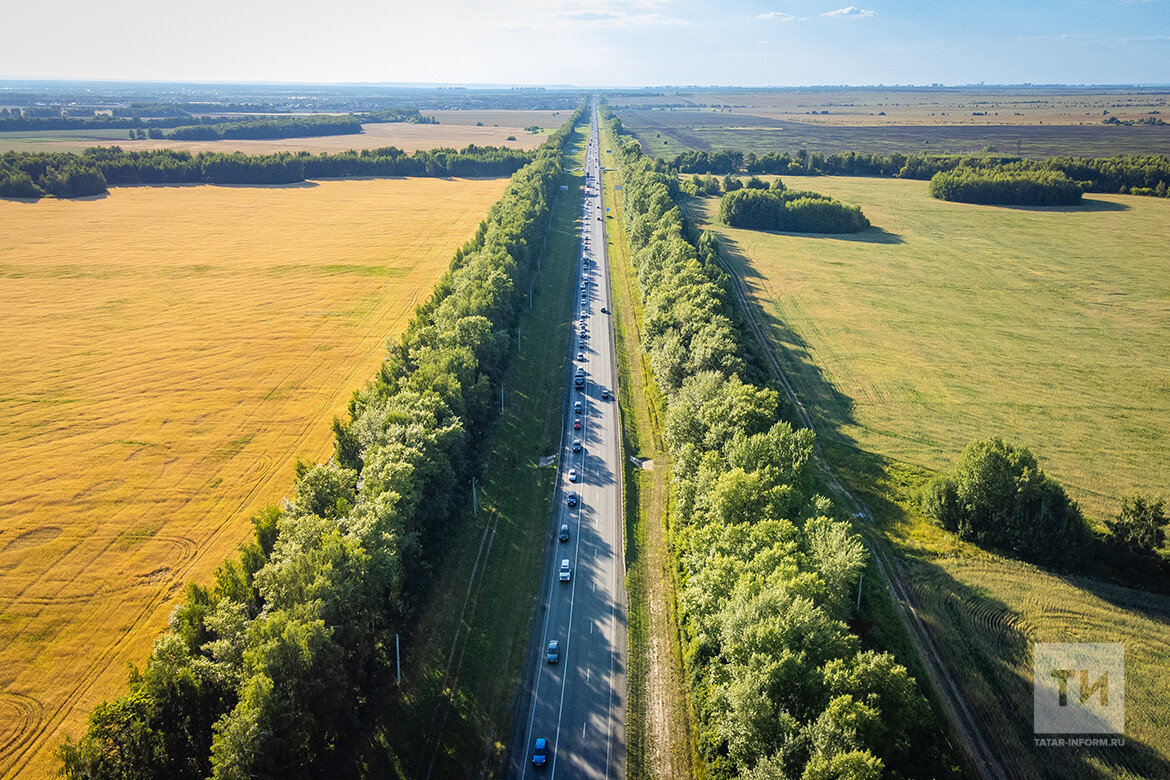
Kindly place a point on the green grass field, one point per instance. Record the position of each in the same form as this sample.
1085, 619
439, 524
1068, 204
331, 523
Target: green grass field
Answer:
948, 322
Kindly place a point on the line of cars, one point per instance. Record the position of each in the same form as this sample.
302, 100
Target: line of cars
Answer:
541, 753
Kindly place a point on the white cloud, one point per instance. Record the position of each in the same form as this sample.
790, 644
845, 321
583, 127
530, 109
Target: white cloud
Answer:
779, 16
612, 19
851, 11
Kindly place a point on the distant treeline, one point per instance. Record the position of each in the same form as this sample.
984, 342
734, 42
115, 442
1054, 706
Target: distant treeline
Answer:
150, 117
284, 667
779, 208
65, 175
1008, 186
269, 127
1136, 174
767, 567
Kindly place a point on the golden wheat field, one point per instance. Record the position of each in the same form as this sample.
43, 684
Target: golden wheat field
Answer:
167, 353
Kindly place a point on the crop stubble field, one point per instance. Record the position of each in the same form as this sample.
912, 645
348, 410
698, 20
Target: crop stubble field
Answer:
948, 322
455, 129
168, 353
1034, 122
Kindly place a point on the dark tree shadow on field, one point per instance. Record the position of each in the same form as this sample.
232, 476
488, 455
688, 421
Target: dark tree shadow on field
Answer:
872, 235
1129, 596
1088, 205
830, 409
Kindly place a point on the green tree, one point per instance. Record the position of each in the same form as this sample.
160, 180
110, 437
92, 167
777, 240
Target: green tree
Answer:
1140, 525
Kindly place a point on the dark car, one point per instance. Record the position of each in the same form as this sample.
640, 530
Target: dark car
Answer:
577, 407
564, 534
554, 652
571, 498
540, 752
604, 310
605, 395
576, 445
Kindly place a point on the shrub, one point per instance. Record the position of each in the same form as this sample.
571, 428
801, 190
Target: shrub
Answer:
998, 497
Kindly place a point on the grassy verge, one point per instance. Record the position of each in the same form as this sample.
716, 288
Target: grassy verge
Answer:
465, 665
658, 715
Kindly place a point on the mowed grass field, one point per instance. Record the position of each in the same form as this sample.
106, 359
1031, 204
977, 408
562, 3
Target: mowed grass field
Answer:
948, 322
167, 354
985, 614
455, 129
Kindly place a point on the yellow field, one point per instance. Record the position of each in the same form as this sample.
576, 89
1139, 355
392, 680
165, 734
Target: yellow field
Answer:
455, 129
167, 352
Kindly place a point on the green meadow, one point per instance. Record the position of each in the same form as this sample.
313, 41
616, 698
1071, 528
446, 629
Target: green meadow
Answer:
947, 322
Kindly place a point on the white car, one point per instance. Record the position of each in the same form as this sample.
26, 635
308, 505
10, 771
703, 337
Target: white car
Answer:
565, 570
572, 475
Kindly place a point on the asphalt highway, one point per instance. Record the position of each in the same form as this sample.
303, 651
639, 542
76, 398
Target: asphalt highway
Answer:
578, 703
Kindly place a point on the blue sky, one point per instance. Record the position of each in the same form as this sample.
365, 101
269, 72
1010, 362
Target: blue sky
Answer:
594, 43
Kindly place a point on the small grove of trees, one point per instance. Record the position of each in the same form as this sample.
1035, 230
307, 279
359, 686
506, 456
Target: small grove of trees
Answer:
998, 497
269, 127
779, 208
780, 685
57, 174
62, 175
1009, 186
284, 666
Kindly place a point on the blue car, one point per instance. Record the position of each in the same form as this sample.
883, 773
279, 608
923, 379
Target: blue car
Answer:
540, 752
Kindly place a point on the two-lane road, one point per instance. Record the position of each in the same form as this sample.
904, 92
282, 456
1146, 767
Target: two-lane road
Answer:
578, 703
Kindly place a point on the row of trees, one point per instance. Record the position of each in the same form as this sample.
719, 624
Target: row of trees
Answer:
1139, 174
723, 161
36, 174
283, 668
781, 687
1008, 186
269, 127
779, 208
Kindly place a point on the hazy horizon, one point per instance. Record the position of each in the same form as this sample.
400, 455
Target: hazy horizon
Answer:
633, 43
